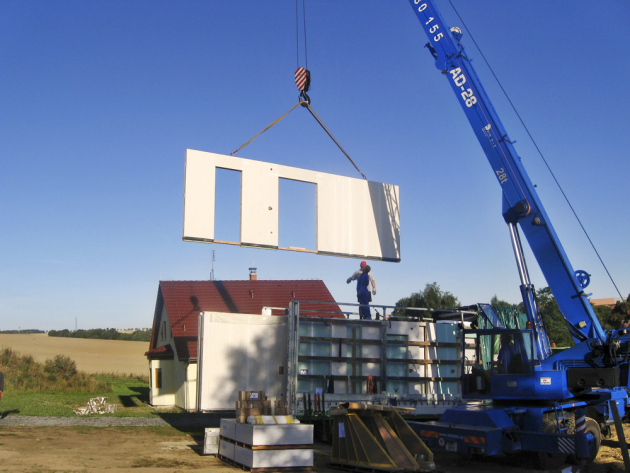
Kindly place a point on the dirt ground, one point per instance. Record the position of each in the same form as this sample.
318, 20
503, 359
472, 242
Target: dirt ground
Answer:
165, 449
91, 356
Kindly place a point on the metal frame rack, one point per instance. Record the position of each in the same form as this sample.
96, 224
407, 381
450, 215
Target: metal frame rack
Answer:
362, 360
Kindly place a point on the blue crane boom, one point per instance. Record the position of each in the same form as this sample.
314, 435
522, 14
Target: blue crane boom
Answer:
521, 204
534, 393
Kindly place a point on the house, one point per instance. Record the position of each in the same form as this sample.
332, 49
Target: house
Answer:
172, 352
610, 301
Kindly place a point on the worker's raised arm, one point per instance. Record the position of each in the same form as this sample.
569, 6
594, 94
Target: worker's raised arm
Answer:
354, 276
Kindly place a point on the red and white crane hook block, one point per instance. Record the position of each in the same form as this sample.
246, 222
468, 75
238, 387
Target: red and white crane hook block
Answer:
303, 79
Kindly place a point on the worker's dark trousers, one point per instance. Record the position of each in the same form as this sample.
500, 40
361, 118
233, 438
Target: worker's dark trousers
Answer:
364, 298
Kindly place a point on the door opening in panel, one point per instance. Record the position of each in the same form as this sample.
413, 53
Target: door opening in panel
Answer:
297, 219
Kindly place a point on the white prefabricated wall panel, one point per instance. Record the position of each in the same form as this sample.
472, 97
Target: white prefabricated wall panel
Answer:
355, 217
240, 352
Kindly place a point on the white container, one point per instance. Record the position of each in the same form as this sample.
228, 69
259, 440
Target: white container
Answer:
211, 441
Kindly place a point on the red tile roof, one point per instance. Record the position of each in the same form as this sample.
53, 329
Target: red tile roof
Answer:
163, 352
184, 300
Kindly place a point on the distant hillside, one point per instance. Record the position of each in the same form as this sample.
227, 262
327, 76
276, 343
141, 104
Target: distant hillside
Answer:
22, 331
104, 334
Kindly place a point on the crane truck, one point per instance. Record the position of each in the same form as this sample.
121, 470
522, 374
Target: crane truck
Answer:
520, 395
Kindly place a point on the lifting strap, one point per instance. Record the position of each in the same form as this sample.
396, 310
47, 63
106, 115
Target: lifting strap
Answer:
305, 101
243, 146
316, 117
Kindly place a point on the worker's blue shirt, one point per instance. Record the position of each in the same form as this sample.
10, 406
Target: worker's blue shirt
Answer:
362, 283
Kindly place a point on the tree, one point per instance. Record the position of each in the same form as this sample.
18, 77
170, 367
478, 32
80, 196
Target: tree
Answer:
432, 297
496, 302
621, 311
553, 319
608, 320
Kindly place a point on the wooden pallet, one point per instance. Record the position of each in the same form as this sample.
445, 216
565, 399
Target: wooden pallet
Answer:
254, 470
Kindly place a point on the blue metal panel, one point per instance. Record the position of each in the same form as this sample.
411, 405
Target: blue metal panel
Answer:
482, 415
440, 435
539, 386
522, 204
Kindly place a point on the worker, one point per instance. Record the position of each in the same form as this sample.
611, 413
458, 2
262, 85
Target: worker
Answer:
358, 273
363, 293
1, 384
364, 278
507, 353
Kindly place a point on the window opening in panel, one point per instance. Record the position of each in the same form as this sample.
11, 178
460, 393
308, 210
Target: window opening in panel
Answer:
227, 206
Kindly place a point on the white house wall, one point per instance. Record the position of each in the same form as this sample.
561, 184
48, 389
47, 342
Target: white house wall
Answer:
165, 334
186, 385
355, 217
191, 391
164, 396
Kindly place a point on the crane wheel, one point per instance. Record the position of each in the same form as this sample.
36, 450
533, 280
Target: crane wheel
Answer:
594, 436
550, 461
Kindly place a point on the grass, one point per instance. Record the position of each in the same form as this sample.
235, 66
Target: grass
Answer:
56, 388
130, 393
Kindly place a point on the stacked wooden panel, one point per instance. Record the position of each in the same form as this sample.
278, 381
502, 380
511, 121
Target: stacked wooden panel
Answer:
255, 403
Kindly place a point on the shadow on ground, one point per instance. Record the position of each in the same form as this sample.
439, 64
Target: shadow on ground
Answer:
140, 396
7, 413
195, 423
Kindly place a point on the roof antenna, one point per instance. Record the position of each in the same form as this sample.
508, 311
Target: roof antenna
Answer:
212, 271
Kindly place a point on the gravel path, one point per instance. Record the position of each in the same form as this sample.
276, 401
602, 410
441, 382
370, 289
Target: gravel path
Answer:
190, 420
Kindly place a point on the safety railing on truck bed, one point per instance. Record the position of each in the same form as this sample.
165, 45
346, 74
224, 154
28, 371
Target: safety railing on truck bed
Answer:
408, 360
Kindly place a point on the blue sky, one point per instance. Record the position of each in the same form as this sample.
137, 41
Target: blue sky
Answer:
99, 101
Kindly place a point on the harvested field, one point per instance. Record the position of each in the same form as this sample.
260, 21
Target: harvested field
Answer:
91, 356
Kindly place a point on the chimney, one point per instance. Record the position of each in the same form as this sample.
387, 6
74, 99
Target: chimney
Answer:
252, 274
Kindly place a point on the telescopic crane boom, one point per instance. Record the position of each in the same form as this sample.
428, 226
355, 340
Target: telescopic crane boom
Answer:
537, 396
521, 204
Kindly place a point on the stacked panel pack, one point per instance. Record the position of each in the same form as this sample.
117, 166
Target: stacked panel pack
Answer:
266, 446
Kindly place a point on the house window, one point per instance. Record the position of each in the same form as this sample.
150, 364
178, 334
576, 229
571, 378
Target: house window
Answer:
158, 378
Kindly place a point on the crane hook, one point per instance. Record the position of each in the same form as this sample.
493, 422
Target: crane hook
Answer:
303, 83
305, 100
